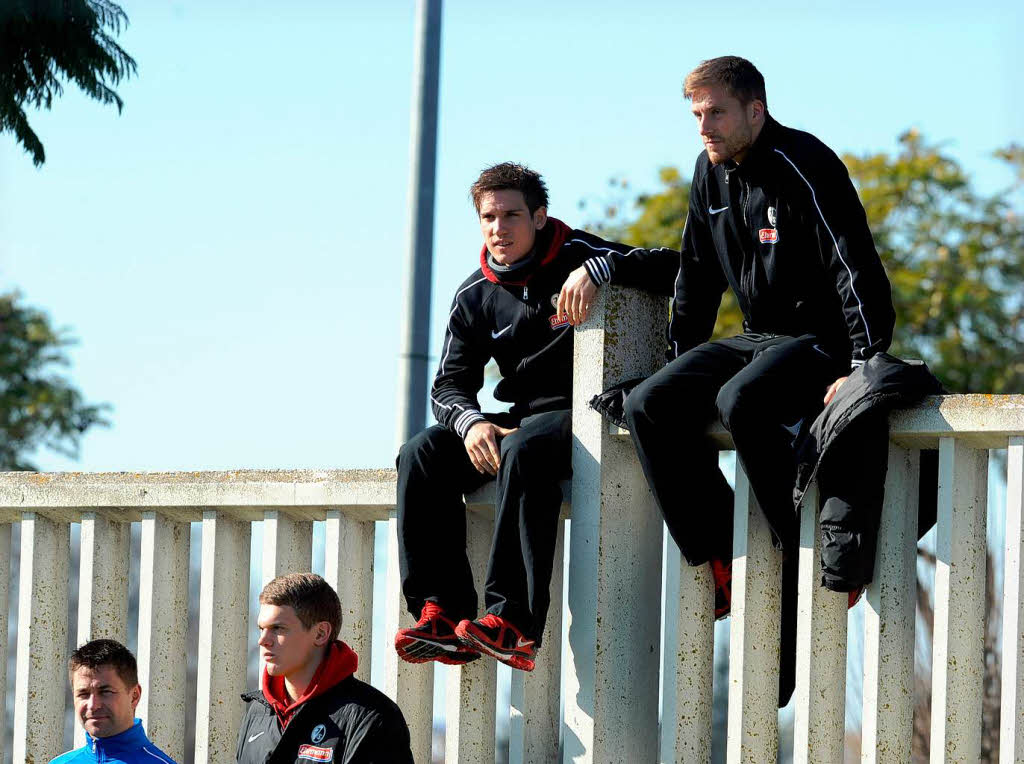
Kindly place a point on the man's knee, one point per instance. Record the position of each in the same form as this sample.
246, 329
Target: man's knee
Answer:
420, 448
738, 404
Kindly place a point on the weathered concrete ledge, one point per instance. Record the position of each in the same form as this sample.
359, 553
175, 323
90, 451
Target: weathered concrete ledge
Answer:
182, 496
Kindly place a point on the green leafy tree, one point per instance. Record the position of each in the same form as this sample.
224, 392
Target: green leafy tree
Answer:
955, 257
43, 42
38, 406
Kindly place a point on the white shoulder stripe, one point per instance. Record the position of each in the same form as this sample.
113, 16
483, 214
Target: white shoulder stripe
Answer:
604, 249
814, 198
158, 758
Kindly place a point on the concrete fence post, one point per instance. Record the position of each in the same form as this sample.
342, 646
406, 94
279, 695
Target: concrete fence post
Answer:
411, 686
687, 659
223, 635
1011, 736
105, 546
163, 630
534, 703
611, 675
958, 664
819, 733
889, 601
287, 545
753, 633
348, 567
5, 592
42, 677
471, 690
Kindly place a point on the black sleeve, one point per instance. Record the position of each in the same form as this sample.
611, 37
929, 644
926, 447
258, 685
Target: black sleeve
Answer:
848, 254
460, 374
379, 739
653, 270
699, 282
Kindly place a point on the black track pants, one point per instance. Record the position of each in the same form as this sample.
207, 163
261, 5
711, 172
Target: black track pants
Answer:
758, 386
434, 471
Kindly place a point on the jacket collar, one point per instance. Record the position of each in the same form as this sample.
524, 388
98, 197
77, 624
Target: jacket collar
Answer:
132, 739
761, 148
559, 233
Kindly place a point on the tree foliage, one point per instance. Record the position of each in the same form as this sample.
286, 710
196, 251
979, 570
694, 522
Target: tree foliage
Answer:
955, 257
38, 406
43, 42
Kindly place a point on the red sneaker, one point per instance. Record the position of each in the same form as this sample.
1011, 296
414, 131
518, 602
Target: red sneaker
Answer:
500, 639
722, 572
433, 639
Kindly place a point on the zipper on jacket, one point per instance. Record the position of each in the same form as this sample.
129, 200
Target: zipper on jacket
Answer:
526, 292
745, 194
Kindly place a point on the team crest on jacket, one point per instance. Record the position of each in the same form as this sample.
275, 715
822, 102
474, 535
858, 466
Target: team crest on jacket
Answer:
315, 753
319, 733
773, 219
768, 235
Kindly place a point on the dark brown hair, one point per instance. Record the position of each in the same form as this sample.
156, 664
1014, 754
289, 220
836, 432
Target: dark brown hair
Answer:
515, 177
737, 75
312, 599
106, 652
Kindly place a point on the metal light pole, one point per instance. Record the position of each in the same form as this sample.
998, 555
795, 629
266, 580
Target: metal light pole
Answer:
412, 367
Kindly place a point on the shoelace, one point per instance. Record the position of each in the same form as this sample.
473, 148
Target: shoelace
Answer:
491, 620
430, 611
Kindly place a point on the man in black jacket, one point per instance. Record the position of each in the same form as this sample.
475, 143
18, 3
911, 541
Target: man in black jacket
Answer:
310, 707
505, 310
774, 216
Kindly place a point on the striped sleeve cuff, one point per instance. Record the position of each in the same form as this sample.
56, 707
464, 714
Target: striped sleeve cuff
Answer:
465, 420
598, 269
856, 363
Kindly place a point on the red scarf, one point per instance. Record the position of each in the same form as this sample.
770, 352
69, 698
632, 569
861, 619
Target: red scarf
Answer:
339, 663
560, 232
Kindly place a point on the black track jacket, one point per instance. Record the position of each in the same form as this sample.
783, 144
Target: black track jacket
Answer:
514, 323
351, 723
786, 230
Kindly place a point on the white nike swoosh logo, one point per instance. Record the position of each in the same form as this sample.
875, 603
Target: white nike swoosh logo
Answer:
495, 335
257, 735
523, 642
715, 212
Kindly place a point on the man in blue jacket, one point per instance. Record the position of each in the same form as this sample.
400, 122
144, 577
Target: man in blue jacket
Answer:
105, 687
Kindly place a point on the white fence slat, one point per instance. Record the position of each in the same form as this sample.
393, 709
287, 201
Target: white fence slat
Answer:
223, 635
472, 689
754, 633
819, 729
42, 676
163, 631
534, 707
958, 665
348, 567
410, 685
287, 545
5, 593
888, 710
105, 546
1011, 736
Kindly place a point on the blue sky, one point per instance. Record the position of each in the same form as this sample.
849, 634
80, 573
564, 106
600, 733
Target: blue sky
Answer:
229, 249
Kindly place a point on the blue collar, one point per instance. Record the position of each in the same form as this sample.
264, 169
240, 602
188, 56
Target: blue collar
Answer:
129, 741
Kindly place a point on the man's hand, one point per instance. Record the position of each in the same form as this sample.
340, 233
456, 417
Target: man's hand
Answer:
577, 293
482, 446
833, 389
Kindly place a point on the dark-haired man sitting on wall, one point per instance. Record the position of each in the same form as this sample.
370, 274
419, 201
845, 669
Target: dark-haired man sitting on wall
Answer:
105, 689
509, 309
310, 706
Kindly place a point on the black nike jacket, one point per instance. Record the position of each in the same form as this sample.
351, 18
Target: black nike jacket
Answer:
511, 318
786, 230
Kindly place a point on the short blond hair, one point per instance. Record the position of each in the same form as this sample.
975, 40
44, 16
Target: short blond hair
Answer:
735, 74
